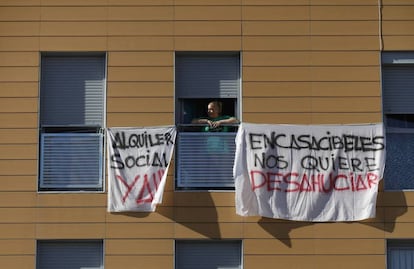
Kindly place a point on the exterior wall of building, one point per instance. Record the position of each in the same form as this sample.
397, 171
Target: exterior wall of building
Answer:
303, 62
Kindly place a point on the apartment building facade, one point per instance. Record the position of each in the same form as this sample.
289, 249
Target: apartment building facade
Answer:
71, 69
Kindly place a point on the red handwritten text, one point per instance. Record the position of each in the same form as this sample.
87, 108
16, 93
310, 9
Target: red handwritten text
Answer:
144, 186
295, 182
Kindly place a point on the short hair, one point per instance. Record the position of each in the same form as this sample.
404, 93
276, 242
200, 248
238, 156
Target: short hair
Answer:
219, 104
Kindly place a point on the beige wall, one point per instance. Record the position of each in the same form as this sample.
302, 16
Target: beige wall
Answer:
303, 62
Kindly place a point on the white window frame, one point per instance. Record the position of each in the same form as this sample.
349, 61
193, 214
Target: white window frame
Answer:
193, 177
91, 127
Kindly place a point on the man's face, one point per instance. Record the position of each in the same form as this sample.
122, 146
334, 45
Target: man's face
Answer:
212, 110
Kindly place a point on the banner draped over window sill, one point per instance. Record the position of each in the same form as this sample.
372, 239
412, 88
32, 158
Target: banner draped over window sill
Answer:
138, 162
308, 173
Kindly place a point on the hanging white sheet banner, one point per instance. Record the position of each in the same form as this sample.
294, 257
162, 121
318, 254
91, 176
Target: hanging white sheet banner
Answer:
138, 162
308, 172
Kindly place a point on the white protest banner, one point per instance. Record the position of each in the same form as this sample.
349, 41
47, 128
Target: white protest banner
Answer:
138, 161
308, 172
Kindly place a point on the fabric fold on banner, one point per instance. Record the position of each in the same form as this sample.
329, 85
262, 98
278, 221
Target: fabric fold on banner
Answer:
138, 162
316, 173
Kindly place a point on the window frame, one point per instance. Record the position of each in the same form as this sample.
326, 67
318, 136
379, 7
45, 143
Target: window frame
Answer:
100, 243
202, 244
77, 129
395, 245
185, 127
394, 59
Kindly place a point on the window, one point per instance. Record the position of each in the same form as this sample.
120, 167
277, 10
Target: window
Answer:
400, 254
69, 254
208, 254
72, 91
204, 159
398, 106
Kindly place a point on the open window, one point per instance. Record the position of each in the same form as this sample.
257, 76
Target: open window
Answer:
193, 108
204, 159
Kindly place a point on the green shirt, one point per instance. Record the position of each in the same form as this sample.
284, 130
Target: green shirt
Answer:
218, 129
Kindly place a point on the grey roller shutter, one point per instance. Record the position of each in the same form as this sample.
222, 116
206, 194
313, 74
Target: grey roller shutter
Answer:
207, 76
71, 161
72, 91
207, 255
70, 254
398, 82
398, 89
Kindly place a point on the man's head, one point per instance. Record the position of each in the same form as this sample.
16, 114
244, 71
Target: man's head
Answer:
214, 109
